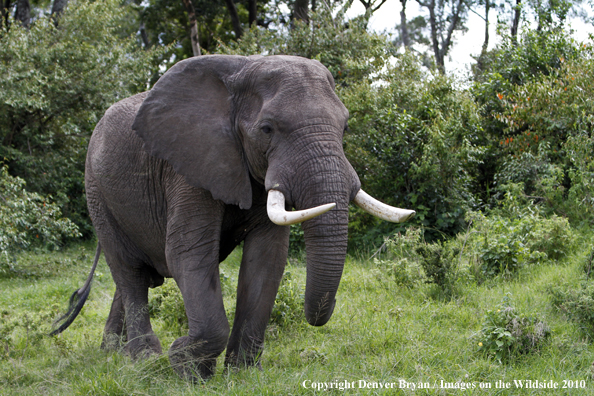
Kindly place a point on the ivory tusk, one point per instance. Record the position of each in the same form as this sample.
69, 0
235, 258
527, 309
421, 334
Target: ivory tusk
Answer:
278, 214
381, 210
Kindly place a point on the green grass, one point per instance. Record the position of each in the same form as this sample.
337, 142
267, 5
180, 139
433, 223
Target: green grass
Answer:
379, 332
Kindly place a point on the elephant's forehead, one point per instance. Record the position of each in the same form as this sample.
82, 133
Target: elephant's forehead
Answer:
285, 68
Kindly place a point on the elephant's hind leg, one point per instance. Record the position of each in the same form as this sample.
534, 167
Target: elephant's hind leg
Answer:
114, 334
132, 276
142, 341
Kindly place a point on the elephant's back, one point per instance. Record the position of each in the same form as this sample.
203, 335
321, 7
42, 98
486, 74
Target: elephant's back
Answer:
113, 138
123, 179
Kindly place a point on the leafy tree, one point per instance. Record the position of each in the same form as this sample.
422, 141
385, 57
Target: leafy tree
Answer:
415, 142
55, 84
169, 24
28, 218
346, 48
445, 18
548, 121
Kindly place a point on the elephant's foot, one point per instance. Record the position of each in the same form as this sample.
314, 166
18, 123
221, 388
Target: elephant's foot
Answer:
141, 347
191, 359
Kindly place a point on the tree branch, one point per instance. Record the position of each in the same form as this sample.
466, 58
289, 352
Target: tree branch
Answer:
193, 27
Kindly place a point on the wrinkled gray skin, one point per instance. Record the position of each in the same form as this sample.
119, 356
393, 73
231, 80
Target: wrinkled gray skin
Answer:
178, 176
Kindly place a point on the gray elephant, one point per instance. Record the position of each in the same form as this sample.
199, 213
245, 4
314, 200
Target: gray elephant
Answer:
216, 153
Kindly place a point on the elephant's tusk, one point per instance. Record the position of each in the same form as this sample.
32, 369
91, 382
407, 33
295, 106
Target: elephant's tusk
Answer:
381, 210
278, 214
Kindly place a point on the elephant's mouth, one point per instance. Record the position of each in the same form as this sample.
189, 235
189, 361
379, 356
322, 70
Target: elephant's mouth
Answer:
278, 214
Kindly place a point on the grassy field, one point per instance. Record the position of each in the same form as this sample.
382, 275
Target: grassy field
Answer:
380, 334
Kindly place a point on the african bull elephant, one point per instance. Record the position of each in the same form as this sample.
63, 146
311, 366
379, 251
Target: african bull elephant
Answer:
216, 153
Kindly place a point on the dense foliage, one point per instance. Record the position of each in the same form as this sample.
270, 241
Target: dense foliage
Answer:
417, 138
55, 85
28, 219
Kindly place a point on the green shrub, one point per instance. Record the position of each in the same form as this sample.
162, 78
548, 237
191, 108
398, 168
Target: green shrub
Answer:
506, 333
345, 46
166, 303
401, 261
410, 261
580, 149
403, 271
439, 262
588, 262
536, 111
29, 219
288, 305
503, 245
576, 303
415, 142
56, 83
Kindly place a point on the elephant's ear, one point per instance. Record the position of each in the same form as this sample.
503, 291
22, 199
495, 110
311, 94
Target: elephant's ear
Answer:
186, 120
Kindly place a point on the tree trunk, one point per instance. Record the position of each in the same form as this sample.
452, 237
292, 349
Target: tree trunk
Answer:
403, 26
5, 12
441, 49
434, 41
234, 18
253, 12
193, 27
23, 13
144, 36
301, 10
516, 22
59, 6
481, 59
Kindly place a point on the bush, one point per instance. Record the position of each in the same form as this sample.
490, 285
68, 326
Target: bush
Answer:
56, 85
345, 47
402, 261
576, 303
411, 261
580, 199
166, 303
503, 245
439, 262
29, 219
506, 333
415, 142
288, 305
537, 113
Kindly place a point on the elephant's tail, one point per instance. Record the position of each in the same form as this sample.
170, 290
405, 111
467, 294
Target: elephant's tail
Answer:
77, 300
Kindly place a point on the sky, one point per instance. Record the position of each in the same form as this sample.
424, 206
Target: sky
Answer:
465, 44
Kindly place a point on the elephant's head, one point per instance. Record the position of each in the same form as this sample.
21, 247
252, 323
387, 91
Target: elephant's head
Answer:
221, 120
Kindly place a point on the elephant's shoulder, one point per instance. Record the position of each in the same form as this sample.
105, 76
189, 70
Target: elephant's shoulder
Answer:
120, 116
126, 107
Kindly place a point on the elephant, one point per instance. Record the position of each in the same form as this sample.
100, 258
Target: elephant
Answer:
219, 152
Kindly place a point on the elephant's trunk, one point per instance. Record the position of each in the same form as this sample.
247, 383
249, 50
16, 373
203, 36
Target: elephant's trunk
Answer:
326, 246
319, 175
327, 180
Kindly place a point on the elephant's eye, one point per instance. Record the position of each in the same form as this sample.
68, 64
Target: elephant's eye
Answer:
267, 129
346, 128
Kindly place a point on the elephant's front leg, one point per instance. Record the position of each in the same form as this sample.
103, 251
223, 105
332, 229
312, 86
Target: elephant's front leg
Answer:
264, 258
193, 258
